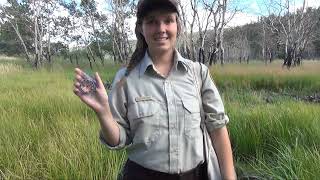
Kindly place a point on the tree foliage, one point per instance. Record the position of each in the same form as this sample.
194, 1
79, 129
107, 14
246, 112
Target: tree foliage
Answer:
40, 29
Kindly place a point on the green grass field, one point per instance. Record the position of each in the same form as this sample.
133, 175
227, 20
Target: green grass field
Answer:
47, 133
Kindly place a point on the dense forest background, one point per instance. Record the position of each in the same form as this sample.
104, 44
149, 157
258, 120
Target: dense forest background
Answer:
40, 30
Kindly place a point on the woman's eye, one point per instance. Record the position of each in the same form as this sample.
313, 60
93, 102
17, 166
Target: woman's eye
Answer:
150, 21
169, 20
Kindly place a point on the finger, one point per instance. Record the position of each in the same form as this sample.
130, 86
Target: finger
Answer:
77, 70
78, 78
81, 96
76, 85
76, 91
98, 79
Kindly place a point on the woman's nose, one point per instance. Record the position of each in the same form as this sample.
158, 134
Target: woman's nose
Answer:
161, 26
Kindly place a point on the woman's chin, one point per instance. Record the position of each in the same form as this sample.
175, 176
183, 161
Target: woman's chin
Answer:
162, 49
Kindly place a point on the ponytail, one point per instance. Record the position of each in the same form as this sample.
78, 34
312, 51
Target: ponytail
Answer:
141, 47
138, 54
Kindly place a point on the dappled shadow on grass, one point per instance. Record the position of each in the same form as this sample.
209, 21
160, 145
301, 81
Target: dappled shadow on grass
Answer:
276, 139
312, 98
284, 162
307, 84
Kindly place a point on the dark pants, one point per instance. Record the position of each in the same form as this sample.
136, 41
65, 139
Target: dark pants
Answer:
133, 171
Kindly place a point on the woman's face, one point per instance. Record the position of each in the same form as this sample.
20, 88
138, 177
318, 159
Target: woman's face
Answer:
159, 29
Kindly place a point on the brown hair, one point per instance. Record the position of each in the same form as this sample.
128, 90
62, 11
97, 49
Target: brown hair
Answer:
141, 47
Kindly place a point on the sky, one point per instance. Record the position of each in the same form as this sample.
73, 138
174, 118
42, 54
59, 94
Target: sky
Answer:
249, 10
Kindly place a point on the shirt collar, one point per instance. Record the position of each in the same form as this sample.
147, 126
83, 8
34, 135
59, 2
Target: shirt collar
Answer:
179, 63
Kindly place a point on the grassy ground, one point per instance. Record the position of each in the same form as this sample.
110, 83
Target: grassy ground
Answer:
47, 133
273, 134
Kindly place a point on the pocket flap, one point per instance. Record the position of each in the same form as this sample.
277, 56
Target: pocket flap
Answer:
141, 109
191, 105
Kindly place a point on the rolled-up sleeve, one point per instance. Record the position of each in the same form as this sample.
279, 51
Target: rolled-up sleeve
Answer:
213, 107
118, 107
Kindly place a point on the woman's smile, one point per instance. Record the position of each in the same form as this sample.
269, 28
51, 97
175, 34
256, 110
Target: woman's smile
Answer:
161, 38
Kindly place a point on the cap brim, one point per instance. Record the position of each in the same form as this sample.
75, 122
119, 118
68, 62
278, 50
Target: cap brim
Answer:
148, 6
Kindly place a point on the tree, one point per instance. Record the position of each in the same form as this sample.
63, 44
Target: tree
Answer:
186, 38
11, 18
119, 29
237, 44
293, 27
210, 44
32, 21
92, 18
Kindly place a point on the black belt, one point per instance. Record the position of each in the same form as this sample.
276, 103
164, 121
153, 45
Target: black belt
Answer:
134, 171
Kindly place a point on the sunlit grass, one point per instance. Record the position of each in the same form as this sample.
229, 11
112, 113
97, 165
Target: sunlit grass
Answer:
47, 133
275, 69
278, 139
304, 79
9, 68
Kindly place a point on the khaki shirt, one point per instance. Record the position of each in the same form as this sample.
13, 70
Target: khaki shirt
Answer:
159, 117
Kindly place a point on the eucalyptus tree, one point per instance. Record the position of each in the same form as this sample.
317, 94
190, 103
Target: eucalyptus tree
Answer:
91, 17
210, 18
14, 16
121, 11
269, 41
72, 29
200, 19
33, 24
294, 27
315, 42
237, 44
186, 39
46, 23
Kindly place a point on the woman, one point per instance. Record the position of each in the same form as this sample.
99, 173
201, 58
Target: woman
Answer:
153, 108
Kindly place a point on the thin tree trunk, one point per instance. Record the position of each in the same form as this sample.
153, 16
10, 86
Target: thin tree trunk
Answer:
36, 61
70, 58
97, 40
15, 27
89, 59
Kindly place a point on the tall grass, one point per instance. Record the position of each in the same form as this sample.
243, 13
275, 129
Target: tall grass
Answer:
9, 68
47, 133
268, 136
272, 77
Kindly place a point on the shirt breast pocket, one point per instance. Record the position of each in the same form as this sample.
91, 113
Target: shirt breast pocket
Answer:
144, 121
192, 118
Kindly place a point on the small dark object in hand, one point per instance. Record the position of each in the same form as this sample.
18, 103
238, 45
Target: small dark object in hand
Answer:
88, 84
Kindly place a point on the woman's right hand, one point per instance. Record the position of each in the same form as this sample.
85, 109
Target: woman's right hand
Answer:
96, 100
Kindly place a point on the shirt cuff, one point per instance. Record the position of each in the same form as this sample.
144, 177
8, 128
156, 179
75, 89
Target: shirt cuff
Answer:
122, 141
215, 121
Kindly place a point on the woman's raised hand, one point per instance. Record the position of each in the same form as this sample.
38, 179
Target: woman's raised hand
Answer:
96, 99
